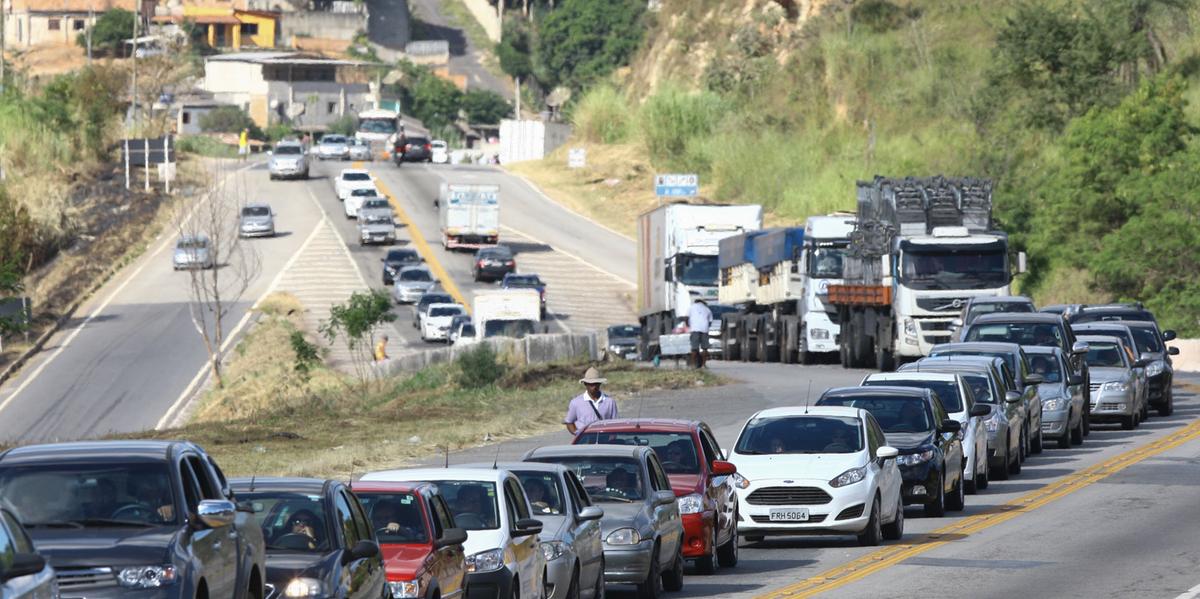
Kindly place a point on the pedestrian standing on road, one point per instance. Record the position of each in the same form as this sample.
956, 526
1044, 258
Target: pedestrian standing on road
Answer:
244, 144
590, 406
699, 319
381, 349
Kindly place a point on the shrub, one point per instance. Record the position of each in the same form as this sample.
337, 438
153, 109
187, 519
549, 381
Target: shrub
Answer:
602, 115
344, 125
485, 107
228, 119
278, 131
110, 31
672, 120
478, 368
584, 40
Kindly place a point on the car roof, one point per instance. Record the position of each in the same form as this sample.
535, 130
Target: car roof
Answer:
840, 411
435, 474
1019, 317
983, 346
405, 251
886, 390
1101, 339
446, 305
1135, 324
603, 450
96, 451
354, 171
279, 483
1001, 299
1100, 324
1043, 349
909, 375
659, 425
980, 360
522, 466
361, 486
415, 267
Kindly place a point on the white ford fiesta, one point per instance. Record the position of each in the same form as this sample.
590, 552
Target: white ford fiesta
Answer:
817, 470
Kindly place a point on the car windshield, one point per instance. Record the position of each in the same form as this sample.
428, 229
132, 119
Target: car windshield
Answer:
378, 125
433, 298
607, 479
288, 150
948, 267
375, 204
364, 192
826, 262
542, 488
439, 145
1102, 315
468, 330
801, 434
697, 270
676, 451
445, 311
981, 387
416, 275
403, 256
1021, 333
256, 211
356, 177
378, 219
333, 139
1046, 365
1147, 339
495, 254
290, 521
978, 310
522, 281
473, 503
947, 391
85, 495
396, 517
1104, 355
192, 243
894, 414
624, 330
416, 141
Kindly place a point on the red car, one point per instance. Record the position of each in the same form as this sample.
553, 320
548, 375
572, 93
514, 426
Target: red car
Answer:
699, 476
422, 548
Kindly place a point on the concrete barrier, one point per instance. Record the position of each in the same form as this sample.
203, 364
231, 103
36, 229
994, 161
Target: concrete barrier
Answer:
1188, 359
535, 349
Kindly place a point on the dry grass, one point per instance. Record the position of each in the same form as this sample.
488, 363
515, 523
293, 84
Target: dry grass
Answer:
1066, 285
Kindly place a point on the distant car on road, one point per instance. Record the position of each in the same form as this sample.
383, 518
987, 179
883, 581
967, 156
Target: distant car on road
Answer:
1064, 398
192, 251
350, 179
1115, 392
1134, 311
396, 259
24, 573
320, 542
456, 327
817, 470
288, 161
622, 340
1161, 371
257, 220
423, 553
135, 519
513, 280
492, 263
435, 322
439, 152
360, 150
413, 148
333, 147
376, 227
354, 202
429, 299
411, 283
980, 305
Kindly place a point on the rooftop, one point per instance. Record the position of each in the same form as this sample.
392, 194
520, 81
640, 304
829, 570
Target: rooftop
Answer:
79, 6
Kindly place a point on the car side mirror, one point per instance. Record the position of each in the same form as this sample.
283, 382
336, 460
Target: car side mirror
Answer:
591, 512
1079, 348
667, 276
1012, 397
526, 526
950, 425
451, 537
1146, 358
1034, 379
216, 513
886, 452
1074, 379
980, 410
664, 497
723, 468
1172, 351
23, 564
363, 549
1168, 335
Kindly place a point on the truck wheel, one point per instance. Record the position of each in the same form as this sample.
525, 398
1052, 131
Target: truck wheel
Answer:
884, 362
860, 353
844, 353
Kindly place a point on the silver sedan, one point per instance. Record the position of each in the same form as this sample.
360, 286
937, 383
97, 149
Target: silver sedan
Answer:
411, 283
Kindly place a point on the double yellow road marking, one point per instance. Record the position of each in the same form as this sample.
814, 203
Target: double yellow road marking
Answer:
894, 554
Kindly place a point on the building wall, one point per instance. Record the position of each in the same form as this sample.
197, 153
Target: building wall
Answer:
188, 120
264, 37
24, 29
324, 102
323, 25
231, 76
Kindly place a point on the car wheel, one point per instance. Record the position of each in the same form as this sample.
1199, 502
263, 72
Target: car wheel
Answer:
872, 535
957, 501
1077, 432
573, 590
1038, 443
1129, 422
1064, 442
893, 530
1002, 473
1023, 449
1167, 407
971, 487
598, 591
651, 588
982, 480
937, 507
727, 554
707, 564
1014, 467
673, 578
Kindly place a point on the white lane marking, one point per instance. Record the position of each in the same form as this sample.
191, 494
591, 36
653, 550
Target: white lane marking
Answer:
147, 259
570, 255
1191, 593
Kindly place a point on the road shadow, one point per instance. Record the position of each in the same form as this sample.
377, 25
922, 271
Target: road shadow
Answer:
1032, 472
524, 247
1042, 460
78, 320
277, 235
424, 31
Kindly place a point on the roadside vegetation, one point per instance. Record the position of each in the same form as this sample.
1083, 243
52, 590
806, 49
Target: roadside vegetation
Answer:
1083, 112
283, 411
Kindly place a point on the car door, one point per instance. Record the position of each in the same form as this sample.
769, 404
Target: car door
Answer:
887, 470
1033, 400
213, 485
666, 517
952, 450
589, 544
720, 488
356, 574
450, 564
375, 576
526, 549
212, 547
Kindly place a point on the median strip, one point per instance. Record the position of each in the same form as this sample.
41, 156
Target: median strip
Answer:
894, 554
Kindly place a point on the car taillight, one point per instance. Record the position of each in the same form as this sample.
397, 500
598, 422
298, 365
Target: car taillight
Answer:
427, 146
512, 263
479, 264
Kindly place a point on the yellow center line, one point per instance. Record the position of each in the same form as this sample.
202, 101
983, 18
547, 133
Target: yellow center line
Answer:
422, 246
889, 556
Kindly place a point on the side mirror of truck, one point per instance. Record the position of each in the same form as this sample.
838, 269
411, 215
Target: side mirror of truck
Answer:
1022, 266
1168, 335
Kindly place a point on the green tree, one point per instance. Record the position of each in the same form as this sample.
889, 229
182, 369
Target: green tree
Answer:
485, 107
432, 99
110, 31
355, 322
229, 119
515, 49
584, 40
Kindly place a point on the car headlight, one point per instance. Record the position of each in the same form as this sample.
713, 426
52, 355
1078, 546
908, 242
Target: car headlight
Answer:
147, 577
820, 334
624, 536
553, 550
740, 481
303, 587
486, 561
1155, 368
405, 589
992, 424
912, 459
1054, 404
849, 477
691, 504
1115, 386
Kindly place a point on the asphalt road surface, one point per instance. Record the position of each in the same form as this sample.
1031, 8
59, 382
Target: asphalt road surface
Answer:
428, 16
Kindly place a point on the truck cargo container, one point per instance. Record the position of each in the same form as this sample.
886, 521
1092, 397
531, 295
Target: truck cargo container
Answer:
469, 215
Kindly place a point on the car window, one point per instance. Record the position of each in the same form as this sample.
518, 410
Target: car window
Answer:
356, 177
345, 520
676, 450
544, 493
473, 503
1046, 365
624, 330
222, 481
994, 307
1104, 355
980, 387
894, 414
658, 478
290, 521
21, 541
710, 453
443, 519
1146, 340
800, 434
579, 493
209, 489
288, 150
64, 492
875, 436
947, 391
1021, 333
191, 488
7, 549
520, 500
256, 211
606, 478
447, 311
361, 523
418, 275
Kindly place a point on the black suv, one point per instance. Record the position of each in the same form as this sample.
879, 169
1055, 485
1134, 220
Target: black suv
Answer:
413, 149
320, 542
492, 263
931, 456
1135, 311
135, 519
396, 259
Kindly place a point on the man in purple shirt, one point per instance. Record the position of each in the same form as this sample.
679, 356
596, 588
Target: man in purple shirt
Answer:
591, 405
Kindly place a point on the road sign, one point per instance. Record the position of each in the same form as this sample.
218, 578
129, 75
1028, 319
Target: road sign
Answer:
677, 186
577, 158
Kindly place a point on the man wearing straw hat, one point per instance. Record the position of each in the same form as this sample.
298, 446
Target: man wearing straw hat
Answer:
591, 405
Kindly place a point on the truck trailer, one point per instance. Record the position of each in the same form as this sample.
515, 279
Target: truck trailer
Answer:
469, 215
507, 313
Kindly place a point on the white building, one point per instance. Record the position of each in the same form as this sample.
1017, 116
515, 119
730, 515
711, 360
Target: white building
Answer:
310, 92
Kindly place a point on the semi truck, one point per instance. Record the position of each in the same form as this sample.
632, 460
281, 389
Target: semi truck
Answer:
920, 249
379, 128
507, 313
469, 215
677, 261
778, 281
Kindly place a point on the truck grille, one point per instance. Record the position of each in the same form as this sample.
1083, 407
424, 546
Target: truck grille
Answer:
82, 578
812, 519
789, 496
941, 304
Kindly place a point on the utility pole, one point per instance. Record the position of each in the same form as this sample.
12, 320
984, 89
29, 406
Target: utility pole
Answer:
3, 41
518, 97
88, 33
137, 16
